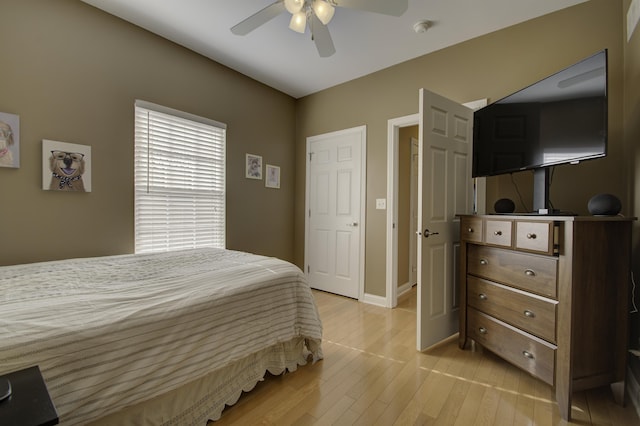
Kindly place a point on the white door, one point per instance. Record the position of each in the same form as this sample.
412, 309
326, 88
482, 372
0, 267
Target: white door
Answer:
334, 242
445, 188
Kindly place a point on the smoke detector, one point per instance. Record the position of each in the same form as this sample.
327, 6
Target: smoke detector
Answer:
421, 26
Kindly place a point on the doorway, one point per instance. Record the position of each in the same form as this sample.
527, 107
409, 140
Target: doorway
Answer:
395, 130
407, 220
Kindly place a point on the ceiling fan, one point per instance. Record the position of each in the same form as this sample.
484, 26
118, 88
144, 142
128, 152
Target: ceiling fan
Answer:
317, 13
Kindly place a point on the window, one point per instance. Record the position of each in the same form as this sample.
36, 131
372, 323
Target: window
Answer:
179, 180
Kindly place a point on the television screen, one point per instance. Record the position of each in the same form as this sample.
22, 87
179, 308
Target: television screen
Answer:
560, 119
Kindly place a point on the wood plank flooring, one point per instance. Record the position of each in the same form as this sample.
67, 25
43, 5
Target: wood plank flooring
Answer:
372, 374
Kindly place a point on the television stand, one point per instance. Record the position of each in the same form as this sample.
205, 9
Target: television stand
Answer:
538, 213
552, 212
541, 189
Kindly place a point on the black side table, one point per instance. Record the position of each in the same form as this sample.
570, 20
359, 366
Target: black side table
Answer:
30, 403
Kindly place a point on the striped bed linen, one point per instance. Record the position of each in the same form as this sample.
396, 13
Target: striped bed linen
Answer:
112, 332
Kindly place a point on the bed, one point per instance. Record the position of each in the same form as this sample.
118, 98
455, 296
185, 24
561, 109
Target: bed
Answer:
165, 338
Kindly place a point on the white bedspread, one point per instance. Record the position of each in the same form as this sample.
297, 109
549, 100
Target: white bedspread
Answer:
113, 331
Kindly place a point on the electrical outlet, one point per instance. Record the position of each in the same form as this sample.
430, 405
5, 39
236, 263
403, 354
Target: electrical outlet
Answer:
381, 203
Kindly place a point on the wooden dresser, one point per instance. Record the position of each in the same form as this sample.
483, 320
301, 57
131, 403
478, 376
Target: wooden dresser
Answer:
550, 295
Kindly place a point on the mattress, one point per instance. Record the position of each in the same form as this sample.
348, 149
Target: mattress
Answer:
113, 332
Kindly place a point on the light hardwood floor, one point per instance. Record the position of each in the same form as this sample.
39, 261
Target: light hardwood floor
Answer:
372, 375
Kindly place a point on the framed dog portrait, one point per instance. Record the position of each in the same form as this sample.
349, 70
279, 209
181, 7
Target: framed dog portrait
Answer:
9, 140
253, 166
66, 166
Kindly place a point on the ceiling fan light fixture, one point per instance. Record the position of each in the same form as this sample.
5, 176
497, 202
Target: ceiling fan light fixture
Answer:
293, 6
323, 10
298, 22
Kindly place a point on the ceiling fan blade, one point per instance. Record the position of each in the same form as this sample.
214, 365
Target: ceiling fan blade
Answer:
259, 18
321, 37
385, 7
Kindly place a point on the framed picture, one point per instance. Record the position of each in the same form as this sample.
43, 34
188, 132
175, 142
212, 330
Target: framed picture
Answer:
253, 165
9, 140
272, 179
66, 166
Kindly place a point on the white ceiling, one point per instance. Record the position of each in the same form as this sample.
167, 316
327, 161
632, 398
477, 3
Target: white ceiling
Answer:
365, 42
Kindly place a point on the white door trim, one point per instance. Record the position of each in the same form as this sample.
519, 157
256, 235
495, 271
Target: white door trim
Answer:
393, 140
362, 130
413, 210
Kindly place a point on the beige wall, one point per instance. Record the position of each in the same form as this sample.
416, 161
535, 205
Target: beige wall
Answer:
632, 150
72, 74
491, 67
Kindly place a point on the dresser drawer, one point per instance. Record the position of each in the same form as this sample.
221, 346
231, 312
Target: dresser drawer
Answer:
498, 232
471, 229
535, 236
530, 313
524, 351
525, 271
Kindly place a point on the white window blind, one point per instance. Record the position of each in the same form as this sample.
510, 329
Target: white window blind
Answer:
179, 180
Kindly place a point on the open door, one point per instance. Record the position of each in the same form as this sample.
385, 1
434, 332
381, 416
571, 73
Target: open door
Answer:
445, 189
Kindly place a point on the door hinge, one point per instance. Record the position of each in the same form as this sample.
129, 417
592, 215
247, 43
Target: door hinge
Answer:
308, 269
311, 156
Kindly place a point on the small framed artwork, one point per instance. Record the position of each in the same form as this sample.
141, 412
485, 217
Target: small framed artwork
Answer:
66, 166
272, 179
253, 166
9, 140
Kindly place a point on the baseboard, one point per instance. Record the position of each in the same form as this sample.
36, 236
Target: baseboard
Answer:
372, 299
633, 390
404, 288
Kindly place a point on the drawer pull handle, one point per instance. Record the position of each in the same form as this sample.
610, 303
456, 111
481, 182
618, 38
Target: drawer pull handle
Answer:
529, 314
531, 236
498, 233
528, 355
484, 262
470, 230
529, 273
482, 330
482, 296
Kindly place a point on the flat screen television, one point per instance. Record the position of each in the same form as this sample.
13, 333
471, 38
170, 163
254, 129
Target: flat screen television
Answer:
561, 119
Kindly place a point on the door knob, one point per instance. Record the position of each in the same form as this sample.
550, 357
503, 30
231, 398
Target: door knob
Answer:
354, 224
426, 233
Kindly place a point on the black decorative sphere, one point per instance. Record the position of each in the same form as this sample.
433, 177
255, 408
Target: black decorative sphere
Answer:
604, 205
504, 205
